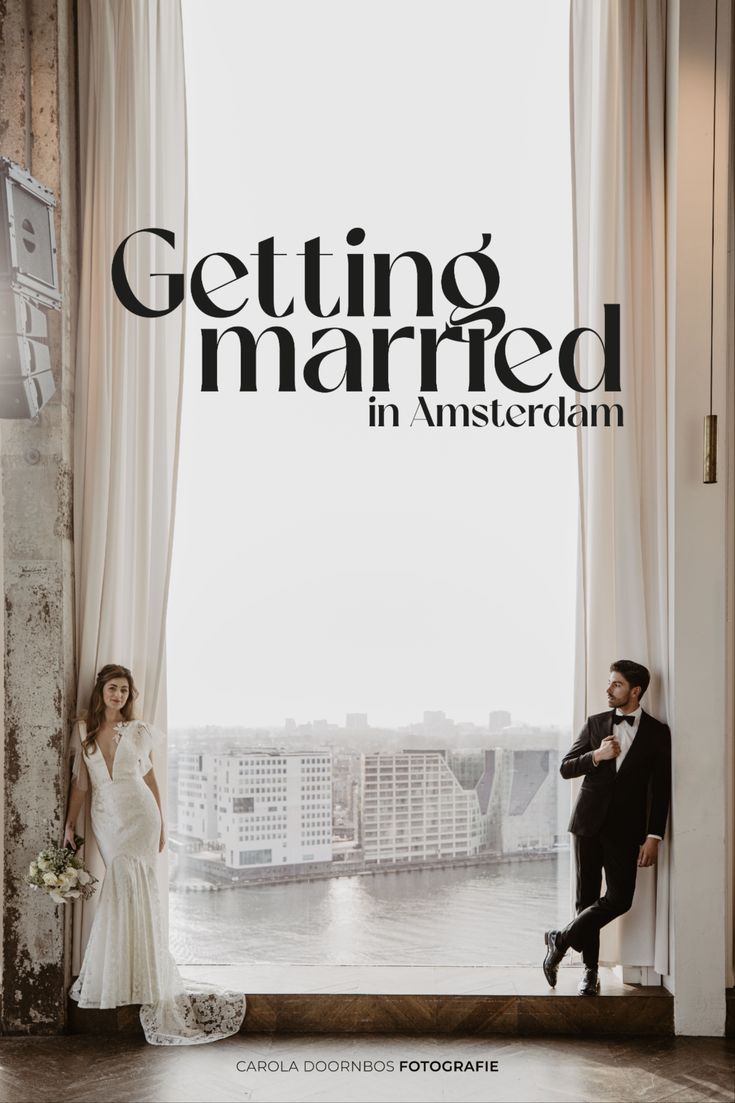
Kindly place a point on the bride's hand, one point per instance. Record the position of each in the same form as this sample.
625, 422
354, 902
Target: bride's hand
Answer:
162, 841
68, 838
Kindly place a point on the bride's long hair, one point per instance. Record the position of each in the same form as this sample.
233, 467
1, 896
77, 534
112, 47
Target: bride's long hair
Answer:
96, 711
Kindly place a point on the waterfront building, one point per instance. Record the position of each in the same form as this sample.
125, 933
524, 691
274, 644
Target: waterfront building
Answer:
196, 812
415, 809
527, 792
423, 805
467, 766
259, 808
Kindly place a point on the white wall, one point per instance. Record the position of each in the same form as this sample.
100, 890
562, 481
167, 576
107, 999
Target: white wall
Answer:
700, 657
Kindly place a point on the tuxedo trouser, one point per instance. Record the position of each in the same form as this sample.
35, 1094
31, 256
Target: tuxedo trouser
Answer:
619, 859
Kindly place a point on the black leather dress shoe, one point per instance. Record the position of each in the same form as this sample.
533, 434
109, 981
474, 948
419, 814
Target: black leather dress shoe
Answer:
554, 954
590, 982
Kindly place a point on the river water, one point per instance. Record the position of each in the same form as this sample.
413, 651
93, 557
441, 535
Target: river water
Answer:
477, 915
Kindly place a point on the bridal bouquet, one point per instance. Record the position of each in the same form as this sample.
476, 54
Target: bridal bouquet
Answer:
59, 872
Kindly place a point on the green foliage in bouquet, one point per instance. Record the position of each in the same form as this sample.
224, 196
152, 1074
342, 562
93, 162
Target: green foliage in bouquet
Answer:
60, 873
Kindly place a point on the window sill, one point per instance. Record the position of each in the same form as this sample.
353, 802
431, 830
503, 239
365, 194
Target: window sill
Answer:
399, 980
310, 999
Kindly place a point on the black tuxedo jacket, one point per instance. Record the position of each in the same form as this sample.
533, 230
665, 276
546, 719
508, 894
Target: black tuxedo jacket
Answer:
631, 802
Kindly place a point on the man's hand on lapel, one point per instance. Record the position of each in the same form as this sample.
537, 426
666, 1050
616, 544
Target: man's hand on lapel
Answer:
609, 748
648, 853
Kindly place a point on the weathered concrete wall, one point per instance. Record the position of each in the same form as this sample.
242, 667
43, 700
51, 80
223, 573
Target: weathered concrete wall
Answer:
37, 129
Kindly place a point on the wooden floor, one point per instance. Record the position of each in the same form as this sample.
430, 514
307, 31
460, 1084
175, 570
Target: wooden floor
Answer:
123, 1069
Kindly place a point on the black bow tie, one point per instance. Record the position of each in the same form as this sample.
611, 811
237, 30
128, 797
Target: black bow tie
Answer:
618, 719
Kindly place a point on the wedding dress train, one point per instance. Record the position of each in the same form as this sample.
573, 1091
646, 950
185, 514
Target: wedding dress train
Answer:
127, 959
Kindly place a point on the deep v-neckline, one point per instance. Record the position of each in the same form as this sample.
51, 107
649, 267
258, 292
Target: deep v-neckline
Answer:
118, 728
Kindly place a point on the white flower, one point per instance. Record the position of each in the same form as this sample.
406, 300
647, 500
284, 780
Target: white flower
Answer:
83, 878
57, 898
43, 863
50, 879
73, 893
68, 877
33, 868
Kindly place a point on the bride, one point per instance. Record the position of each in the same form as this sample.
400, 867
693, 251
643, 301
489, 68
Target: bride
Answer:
127, 959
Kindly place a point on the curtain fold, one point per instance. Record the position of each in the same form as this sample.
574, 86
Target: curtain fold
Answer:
618, 170
132, 145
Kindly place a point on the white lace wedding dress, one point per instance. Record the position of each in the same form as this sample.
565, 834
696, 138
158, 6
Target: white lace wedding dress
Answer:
127, 959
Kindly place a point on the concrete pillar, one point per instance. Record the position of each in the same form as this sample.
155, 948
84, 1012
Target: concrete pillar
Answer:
37, 129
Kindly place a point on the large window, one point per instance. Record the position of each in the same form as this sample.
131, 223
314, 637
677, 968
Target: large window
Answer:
370, 628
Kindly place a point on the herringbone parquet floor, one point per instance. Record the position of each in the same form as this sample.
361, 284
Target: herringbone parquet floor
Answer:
83, 1069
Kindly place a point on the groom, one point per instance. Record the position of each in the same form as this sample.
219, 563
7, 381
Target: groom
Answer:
620, 815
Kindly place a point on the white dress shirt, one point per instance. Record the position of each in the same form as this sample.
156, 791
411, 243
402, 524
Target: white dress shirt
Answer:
625, 733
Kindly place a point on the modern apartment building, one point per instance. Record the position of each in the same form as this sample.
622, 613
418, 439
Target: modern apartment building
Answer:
420, 805
197, 820
263, 808
414, 808
527, 794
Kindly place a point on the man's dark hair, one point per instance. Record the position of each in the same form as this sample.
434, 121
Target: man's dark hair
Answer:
634, 673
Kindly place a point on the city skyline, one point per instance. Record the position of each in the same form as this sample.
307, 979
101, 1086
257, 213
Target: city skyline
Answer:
318, 722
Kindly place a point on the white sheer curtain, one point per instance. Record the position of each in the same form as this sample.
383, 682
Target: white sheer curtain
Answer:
618, 125
132, 139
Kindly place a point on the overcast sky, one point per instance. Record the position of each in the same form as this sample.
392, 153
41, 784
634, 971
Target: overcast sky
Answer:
322, 566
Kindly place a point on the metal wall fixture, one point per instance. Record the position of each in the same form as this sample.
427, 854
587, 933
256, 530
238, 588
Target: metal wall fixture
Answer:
29, 285
710, 419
